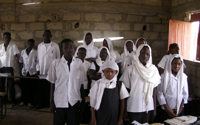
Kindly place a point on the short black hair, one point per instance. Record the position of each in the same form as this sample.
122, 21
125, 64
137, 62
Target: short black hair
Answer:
82, 49
31, 40
173, 45
47, 31
66, 41
7, 33
88, 34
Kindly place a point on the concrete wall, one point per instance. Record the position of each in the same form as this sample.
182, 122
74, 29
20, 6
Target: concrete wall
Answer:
103, 18
180, 11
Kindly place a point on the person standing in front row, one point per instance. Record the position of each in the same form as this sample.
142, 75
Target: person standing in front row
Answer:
8, 53
48, 51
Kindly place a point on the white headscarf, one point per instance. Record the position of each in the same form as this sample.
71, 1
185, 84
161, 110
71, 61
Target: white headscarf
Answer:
167, 77
98, 90
145, 41
127, 56
75, 54
149, 73
91, 45
99, 61
111, 50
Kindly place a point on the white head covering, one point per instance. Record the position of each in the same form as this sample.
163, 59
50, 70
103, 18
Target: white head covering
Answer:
98, 90
99, 61
91, 45
149, 73
126, 52
167, 77
75, 54
145, 41
111, 50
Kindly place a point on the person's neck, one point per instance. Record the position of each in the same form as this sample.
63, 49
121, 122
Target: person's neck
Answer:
144, 64
6, 44
47, 41
29, 49
69, 59
174, 73
130, 51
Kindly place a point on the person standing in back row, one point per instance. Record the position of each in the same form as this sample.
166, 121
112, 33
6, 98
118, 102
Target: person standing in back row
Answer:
48, 51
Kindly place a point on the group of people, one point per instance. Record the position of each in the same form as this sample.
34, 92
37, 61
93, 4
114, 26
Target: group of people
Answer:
122, 88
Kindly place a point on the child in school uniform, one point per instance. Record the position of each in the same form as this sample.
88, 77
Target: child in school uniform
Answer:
96, 66
141, 79
114, 55
107, 97
48, 51
66, 80
140, 41
127, 55
92, 51
172, 93
28, 60
8, 54
173, 49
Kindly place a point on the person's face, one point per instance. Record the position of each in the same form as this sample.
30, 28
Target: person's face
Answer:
105, 43
141, 41
109, 73
103, 54
30, 45
176, 65
68, 49
129, 46
144, 55
88, 39
47, 36
7, 39
81, 54
175, 50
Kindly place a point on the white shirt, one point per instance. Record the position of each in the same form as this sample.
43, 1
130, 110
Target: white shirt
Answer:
46, 57
123, 92
114, 55
170, 98
29, 62
58, 74
92, 53
93, 67
134, 81
164, 61
7, 56
86, 65
127, 60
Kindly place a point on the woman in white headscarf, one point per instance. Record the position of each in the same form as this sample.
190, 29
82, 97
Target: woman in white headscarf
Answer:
96, 66
92, 51
172, 93
141, 78
106, 96
140, 41
114, 55
127, 55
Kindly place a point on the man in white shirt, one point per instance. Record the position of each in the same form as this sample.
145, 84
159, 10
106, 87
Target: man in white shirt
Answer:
8, 53
28, 61
48, 51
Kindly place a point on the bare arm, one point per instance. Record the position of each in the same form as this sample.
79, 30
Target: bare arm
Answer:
120, 121
52, 104
170, 112
17, 60
93, 119
154, 100
181, 107
93, 75
161, 70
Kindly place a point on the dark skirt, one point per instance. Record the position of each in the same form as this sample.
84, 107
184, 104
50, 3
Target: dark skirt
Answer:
141, 117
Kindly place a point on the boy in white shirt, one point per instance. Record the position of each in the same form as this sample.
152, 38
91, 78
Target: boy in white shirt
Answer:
141, 78
172, 93
48, 51
8, 53
28, 60
66, 78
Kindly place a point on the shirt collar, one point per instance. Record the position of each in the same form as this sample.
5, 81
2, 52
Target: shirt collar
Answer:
48, 43
63, 59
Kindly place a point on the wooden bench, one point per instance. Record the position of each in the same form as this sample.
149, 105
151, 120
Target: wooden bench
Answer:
3, 99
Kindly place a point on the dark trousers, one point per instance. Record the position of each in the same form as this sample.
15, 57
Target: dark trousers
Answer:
70, 115
28, 89
43, 93
10, 82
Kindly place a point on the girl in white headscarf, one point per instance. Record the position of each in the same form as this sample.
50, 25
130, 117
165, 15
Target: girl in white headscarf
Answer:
106, 96
114, 55
96, 66
140, 41
127, 55
172, 93
92, 51
141, 78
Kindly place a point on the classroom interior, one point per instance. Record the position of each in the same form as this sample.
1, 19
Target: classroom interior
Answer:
120, 19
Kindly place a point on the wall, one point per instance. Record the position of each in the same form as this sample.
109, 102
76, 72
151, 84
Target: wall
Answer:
104, 18
180, 11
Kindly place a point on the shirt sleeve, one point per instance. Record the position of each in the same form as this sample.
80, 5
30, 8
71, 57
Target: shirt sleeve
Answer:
51, 75
16, 51
160, 92
163, 61
57, 52
123, 92
92, 66
185, 90
125, 78
37, 63
118, 58
21, 57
